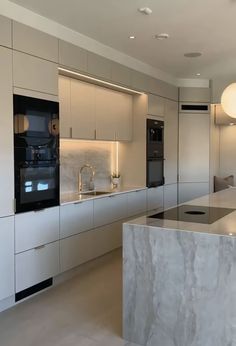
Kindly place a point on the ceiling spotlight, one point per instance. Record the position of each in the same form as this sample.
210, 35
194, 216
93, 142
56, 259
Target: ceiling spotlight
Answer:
132, 37
145, 10
162, 36
192, 55
198, 74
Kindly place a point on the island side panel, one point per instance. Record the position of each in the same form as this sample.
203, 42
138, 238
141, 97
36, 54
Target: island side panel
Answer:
179, 287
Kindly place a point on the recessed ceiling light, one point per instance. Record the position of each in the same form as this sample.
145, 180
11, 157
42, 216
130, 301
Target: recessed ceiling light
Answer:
162, 36
198, 74
132, 37
145, 10
231, 124
192, 55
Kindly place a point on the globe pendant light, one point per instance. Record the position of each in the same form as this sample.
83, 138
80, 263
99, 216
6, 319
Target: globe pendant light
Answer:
228, 100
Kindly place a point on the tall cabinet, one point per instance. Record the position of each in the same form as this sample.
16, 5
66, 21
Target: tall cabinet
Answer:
194, 143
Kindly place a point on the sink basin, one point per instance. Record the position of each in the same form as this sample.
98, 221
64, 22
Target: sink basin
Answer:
95, 193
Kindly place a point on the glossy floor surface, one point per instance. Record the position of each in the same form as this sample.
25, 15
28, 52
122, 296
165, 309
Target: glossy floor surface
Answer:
83, 311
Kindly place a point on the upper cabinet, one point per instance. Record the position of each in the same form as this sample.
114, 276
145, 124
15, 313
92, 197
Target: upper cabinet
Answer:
6, 134
156, 105
82, 101
34, 42
88, 111
171, 142
121, 74
72, 56
195, 95
99, 66
139, 81
5, 32
34, 73
113, 115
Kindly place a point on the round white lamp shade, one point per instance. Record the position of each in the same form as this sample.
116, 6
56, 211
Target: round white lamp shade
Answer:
228, 100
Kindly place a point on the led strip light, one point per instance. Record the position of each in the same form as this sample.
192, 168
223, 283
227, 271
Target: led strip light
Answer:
100, 81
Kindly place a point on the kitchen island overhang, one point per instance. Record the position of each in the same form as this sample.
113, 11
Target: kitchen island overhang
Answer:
179, 279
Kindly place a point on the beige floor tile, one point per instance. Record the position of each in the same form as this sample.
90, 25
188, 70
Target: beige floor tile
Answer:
83, 311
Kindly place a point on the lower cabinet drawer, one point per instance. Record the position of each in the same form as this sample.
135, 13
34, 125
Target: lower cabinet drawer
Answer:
155, 197
137, 202
36, 265
85, 246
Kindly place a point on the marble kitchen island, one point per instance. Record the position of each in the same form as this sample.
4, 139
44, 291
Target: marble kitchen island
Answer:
179, 278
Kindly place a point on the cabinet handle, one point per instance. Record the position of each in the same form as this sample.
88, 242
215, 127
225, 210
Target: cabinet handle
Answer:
70, 132
39, 247
95, 134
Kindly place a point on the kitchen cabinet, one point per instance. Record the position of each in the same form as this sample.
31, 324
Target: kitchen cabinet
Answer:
155, 198
76, 218
139, 81
88, 111
36, 228
170, 195
6, 134
34, 42
113, 111
34, 73
156, 105
6, 257
85, 246
64, 86
99, 66
36, 265
5, 32
82, 100
163, 89
137, 202
110, 209
121, 74
194, 95
171, 142
72, 56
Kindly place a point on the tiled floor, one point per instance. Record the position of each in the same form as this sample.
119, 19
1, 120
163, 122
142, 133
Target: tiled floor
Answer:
84, 311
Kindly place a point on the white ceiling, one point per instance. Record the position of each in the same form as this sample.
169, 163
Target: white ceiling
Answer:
206, 26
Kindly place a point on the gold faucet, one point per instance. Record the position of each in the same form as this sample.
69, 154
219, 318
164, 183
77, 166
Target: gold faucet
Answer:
80, 180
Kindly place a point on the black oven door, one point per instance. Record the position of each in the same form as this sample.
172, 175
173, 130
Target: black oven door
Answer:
36, 121
155, 172
37, 185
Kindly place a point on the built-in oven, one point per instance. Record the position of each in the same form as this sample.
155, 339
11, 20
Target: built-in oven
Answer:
155, 153
36, 152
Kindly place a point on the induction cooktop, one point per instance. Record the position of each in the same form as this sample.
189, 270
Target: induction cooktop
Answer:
193, 213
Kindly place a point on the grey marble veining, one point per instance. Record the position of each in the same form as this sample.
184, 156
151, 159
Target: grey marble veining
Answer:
179, 287
74, 154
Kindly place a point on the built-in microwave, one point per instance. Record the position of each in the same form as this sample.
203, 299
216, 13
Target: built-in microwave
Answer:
155, 153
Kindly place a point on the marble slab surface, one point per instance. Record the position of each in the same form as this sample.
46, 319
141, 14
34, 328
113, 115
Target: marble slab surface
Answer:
179, 287
225, 226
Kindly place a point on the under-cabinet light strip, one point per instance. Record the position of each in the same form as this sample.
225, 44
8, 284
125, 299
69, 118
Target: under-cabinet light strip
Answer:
86, 77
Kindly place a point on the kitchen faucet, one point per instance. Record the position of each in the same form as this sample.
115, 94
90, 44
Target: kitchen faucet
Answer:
81, 184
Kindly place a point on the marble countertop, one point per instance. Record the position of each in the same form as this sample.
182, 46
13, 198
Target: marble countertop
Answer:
225, 226
75, 197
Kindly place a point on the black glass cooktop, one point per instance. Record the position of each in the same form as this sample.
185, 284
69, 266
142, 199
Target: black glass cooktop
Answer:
193, 213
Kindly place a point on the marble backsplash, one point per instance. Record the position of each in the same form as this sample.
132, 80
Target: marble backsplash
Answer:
74, 154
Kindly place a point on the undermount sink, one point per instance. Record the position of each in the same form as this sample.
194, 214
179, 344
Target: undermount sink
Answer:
95, 193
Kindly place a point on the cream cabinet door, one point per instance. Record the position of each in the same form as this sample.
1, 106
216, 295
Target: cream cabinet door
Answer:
64, 86
6, 134
72, 56
76, 218
123, 117
5, 32
156, 105
155, 198
36, 265
171, 142
137, 202
6, 257
113, 111
170, 195
82, 109
105, 104
194, 147
34, 73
